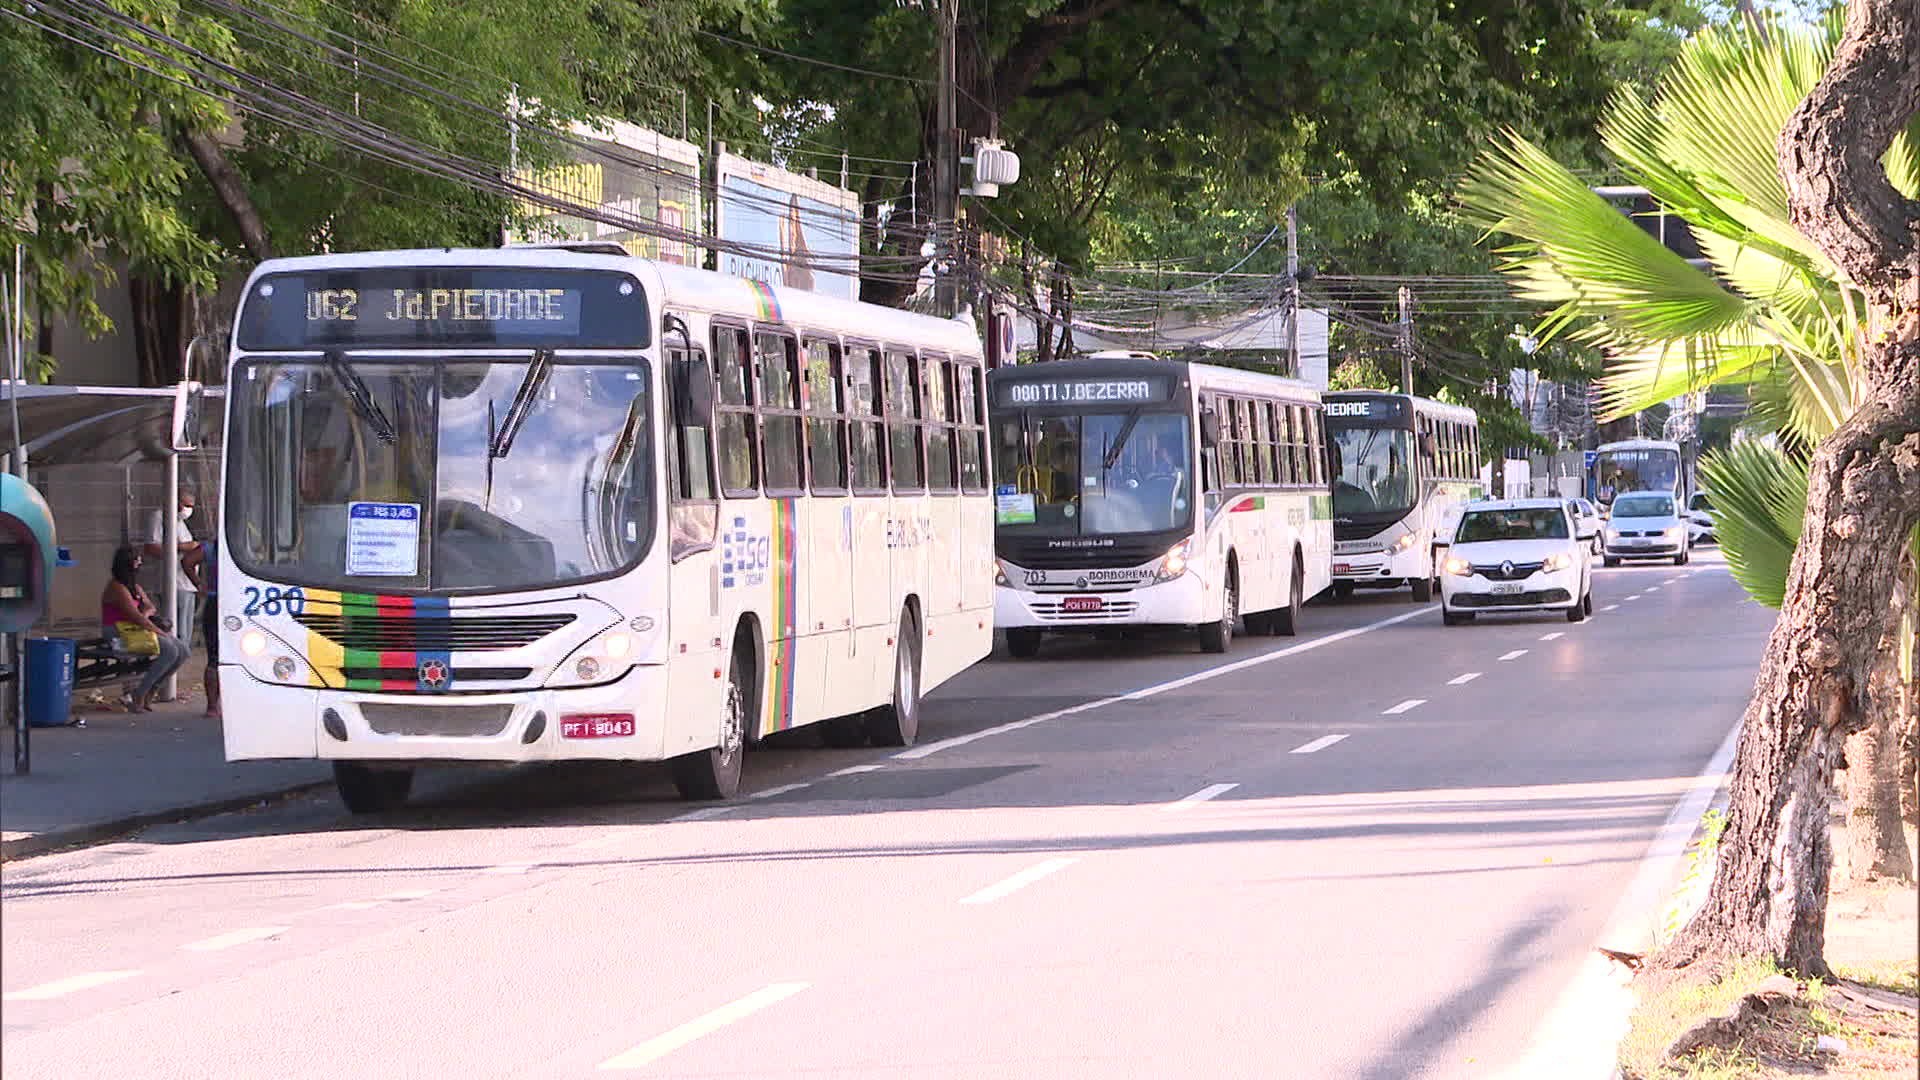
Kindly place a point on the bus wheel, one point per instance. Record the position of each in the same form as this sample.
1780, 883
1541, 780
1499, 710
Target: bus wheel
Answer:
714, 773
898, 723
1423, 591
1286, 621
1343, 590
369, 790
1215, 637
1024, 643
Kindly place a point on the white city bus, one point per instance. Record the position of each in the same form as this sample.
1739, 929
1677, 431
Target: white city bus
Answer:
1402, 467
551, 503
1133, 491
1640, 465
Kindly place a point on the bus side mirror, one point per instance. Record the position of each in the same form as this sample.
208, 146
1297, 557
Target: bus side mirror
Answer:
187, 400
1209, 429
695, 382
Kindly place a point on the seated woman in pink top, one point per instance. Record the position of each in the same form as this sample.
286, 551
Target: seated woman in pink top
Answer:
124, 604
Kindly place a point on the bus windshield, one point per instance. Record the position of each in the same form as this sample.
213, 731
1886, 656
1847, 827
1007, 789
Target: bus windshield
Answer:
1376, 470
461, 474
1621, 471
1093, 474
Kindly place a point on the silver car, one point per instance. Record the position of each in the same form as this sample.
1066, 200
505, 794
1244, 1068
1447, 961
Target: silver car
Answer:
1645, 525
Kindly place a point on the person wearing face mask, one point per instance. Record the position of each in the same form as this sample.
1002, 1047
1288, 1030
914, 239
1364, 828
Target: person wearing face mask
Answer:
187, 605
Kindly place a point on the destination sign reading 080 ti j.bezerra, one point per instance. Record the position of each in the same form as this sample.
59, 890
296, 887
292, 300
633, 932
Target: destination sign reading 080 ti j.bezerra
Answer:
377, 306
1132, 390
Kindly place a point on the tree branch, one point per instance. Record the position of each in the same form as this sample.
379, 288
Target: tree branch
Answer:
1837, 189
231, 187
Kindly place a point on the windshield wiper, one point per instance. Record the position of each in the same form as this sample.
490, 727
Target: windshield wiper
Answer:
359, 395
1119, 443
530, 385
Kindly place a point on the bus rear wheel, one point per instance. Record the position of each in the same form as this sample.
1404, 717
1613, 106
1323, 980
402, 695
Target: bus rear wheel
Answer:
714, 773
898, 723
1216, 636
1286, 621
1024, 643
370, 790
1423, 591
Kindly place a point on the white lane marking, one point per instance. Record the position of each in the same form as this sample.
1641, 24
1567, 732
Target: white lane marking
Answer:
1671, 581
69, 985
855, 770
1653, 588
1580, 1035
1158, 688
407, 894
1211, 791
661, 1045
1635, 596
354, 905
705, 812
1552, 636
1317, 745
1410, 703
781, 790
1019, 881
1611, 607
510, 868
233, 938
1514, 655
1462, 680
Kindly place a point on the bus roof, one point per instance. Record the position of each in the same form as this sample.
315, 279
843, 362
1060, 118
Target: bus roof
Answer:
1422, 405
681, 286
1638, 444
1206, 378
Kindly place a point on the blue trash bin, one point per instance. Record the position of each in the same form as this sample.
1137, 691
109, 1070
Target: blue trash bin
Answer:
49, 681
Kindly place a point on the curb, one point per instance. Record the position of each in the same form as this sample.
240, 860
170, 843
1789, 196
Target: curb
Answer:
100, 832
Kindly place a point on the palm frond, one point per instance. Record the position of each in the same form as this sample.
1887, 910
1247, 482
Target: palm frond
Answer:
1902, 160
1759, 501
1585, 258
1640, 376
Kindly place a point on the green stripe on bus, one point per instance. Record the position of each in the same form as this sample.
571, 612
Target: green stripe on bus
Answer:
360, 658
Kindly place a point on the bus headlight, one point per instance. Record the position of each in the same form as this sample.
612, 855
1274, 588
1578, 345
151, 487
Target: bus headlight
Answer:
602, 659
1406, 541
1175, 562
1459, 567
284, 668
253, 642
999, 573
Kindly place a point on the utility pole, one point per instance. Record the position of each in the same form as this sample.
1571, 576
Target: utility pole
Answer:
1293, 293
946, 181
1406, 340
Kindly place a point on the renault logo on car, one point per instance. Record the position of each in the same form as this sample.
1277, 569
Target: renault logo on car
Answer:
1506, 568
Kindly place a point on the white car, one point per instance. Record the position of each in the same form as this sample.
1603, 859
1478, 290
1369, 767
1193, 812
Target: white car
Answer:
1586, 522
1515, 555
1645, 525
1700, 519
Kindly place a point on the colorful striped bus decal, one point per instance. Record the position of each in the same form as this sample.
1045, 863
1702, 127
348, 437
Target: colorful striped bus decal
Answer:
786, 617
327, 659
764, 299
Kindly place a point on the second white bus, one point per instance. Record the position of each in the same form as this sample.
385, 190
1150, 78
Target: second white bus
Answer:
1133, 491
1403, 466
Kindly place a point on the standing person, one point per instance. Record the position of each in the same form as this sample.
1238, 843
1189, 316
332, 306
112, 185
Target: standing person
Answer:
126, 614
210, 623
186, 603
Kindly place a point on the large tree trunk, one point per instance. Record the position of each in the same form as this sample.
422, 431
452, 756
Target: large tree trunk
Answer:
1876, 839
1816, 684
160, 328
231, 188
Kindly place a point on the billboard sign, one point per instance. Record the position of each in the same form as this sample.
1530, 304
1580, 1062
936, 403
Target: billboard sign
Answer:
812, 225
629, 172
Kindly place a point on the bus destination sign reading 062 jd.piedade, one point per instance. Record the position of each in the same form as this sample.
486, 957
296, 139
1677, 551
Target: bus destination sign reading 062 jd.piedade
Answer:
452, 306
1133, 390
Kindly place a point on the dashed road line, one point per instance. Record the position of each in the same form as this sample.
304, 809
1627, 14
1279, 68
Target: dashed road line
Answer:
1653, 588
1410, 703
235, 937
1019, 881
1318, 744
1611, 607
1514, 655
704, 813
855, 770
1211, 791
1553, 636
1635, 596
1158, 688
661, 1045
73, 984
1462, 680
783, 789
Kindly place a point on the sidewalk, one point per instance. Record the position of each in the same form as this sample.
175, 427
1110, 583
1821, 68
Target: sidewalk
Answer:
124, 771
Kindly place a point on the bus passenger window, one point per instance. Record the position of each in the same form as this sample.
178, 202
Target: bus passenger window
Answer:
739, 435
972, 435
824, 407
692, 445
779, 411
865, 453
939, 428
903, 420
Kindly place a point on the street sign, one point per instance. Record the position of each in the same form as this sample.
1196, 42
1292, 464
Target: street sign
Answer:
1588, 457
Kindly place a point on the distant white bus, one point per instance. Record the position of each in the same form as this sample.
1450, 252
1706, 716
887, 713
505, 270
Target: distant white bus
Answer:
1640, 465
1402, 467
1133, 491
534, 504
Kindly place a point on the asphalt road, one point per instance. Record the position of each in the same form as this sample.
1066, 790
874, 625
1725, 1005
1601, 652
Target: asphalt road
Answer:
1336, 855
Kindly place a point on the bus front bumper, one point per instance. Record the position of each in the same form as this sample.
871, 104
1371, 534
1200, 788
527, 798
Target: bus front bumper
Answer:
266, 721
1379, 567
1184, 601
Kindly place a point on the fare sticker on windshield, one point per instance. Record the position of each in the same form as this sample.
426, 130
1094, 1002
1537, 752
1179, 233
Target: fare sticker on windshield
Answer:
1012, 507
383, 539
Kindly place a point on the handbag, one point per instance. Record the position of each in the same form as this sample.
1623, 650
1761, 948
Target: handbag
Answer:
137, 639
